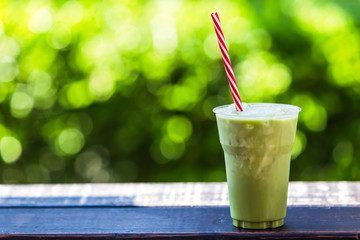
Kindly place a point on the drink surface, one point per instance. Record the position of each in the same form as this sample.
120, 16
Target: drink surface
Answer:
257, 146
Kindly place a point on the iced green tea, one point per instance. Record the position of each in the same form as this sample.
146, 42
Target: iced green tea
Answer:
257, 145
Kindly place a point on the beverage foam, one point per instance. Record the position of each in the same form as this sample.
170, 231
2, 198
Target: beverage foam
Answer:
259, 111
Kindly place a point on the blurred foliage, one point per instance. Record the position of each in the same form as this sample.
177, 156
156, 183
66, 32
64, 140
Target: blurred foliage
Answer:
112, 91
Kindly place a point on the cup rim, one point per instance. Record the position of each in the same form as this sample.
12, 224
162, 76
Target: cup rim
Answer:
293, 112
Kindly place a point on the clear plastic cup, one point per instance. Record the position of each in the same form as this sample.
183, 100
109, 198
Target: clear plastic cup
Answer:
257, 145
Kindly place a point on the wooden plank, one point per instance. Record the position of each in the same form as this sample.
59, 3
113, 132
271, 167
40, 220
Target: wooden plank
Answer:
171, 223
169, 194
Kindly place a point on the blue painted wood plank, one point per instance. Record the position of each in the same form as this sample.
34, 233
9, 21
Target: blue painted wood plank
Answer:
171, 223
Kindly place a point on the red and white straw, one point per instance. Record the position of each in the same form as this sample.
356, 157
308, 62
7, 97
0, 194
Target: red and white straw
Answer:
226, 59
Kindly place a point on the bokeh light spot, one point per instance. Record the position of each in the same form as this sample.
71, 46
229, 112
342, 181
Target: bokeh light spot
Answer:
81, 121
327, 19
21, 104
129, 41
99, 50
313, 115
40, 83
117, 15
179, 97
152, 61
8, 69
71, 12
60, 37
278, 78
242, 27
299, 144
40, 21
70, 141
211, 47
164, 37
258, 39
90, 165
9, 47
10, 149
262, 77
178, 129
101, 83
76, 95
171, 150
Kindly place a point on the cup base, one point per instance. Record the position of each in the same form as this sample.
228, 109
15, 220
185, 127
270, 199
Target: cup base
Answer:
258, 225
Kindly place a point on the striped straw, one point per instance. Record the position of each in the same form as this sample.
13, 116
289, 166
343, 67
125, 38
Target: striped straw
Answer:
226, 59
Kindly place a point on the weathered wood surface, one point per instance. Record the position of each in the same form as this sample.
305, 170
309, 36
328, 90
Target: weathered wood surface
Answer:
168, 222
168, 194
317, 210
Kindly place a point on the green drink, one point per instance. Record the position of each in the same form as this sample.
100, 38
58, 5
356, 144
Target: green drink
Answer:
257, 144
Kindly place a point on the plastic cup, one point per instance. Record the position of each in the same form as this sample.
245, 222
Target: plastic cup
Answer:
257, 145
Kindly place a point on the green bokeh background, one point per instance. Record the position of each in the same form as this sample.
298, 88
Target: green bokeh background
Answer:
119, 91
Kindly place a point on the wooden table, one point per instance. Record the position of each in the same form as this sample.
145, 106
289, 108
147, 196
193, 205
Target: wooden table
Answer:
325, 210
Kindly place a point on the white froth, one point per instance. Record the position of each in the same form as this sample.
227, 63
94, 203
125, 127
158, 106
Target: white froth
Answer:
259, 111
